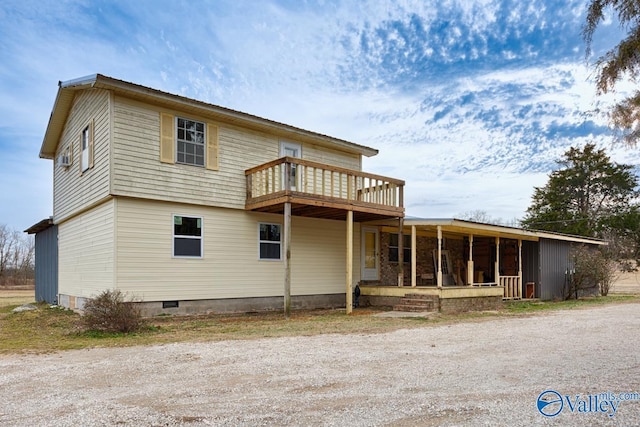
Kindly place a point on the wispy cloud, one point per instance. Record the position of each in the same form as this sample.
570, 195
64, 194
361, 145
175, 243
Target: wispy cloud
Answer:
471, 102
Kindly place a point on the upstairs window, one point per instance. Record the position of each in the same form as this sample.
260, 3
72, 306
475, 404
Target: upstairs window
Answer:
84, 149
187, 236
190, 142
270, 242
183, 141
393, 248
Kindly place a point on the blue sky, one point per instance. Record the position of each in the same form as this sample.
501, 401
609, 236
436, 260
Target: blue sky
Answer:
470, 102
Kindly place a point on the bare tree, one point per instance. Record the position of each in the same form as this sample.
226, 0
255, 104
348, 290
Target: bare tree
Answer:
479, 215
17, 257
592, 269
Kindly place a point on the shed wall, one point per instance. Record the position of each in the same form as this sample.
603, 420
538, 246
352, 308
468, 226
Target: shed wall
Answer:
46, 253
554, 262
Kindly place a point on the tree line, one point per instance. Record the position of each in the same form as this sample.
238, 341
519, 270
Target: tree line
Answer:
17, 257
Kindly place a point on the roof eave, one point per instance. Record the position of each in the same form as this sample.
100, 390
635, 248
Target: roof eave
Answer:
502, 229
67, 89
123, 87
61, 108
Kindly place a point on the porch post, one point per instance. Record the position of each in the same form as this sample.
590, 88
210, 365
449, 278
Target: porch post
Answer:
349, 274
439, 277
497, 267
287, 259
470, 262
400, 252
413, 256
519, 293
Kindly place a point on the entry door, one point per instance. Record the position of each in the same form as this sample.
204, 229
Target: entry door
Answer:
290, 149
370, 253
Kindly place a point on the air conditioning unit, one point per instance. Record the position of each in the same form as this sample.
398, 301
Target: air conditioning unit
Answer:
64, 160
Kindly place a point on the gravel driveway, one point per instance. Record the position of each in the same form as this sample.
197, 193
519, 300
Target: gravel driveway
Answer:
488, 372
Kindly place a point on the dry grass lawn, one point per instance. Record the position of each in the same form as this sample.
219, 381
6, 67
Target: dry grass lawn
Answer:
10, 297
55, 329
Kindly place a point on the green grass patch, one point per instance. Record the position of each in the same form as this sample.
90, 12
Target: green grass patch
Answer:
532, 306
54, 329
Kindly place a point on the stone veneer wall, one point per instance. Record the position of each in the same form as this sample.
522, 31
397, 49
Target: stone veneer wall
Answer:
459, 305
424, 259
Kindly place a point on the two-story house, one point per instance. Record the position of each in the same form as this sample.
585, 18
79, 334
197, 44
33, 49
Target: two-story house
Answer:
191, 206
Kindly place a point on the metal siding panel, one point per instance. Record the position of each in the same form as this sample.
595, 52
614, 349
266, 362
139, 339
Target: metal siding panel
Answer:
554, 261
46, 270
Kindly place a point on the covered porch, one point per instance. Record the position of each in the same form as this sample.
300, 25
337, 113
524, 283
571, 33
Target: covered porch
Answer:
450, 258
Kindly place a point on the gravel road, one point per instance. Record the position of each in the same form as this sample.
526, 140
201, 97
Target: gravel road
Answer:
487, 372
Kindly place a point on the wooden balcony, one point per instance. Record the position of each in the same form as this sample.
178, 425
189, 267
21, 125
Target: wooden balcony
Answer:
322, 191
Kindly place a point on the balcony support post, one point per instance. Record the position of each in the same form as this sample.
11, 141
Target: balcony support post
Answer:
349, 274
287, 260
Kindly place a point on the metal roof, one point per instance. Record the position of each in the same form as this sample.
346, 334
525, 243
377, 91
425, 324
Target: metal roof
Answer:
68, 89
461, 226
40, 226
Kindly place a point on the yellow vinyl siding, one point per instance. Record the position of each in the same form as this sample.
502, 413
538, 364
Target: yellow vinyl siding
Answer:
74, 191
230, 267
86, 252
139, 172
330, 157
318, 256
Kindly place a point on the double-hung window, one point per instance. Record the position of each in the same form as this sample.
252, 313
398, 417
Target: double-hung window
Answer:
187, 236
190, 142
393, 248
270, 241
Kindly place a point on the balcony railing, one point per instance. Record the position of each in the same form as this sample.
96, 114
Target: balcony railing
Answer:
319, 183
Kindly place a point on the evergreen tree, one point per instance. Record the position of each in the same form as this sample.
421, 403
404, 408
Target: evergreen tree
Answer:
589, 196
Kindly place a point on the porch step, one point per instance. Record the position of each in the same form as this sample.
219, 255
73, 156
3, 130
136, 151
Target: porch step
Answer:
417, 303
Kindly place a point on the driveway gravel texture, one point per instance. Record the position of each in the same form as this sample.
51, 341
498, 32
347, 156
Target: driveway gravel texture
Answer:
477, 372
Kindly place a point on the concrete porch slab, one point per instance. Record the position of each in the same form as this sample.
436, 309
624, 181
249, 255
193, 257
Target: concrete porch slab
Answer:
398, 314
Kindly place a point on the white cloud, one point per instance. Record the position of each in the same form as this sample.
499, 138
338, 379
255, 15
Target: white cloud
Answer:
460, 132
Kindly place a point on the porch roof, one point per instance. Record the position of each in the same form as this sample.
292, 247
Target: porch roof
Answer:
465, 227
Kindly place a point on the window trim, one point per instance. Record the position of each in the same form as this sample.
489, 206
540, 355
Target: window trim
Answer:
204, 142
173, 236
273, 242
404, 247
